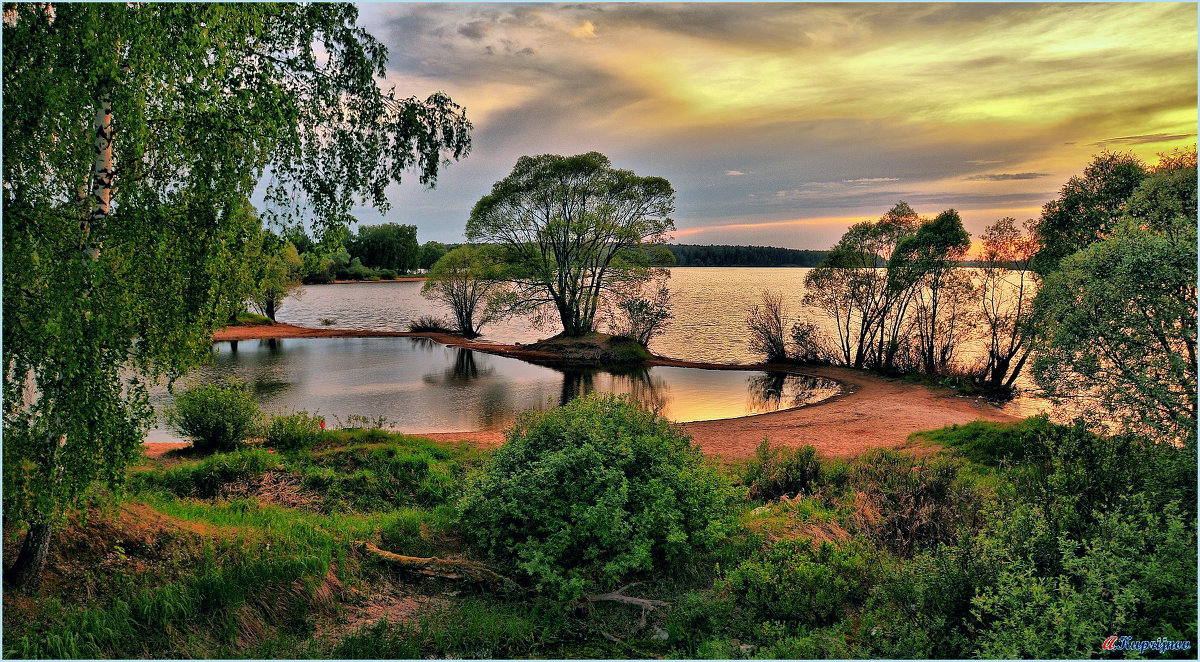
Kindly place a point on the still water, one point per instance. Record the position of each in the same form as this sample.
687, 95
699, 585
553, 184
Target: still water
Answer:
710, 305
422, 386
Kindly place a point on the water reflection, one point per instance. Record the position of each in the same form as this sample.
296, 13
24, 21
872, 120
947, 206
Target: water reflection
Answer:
770, 391
423, 386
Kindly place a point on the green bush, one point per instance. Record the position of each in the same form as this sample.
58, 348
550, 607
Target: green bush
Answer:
215, 416
583, 496
776, 472
799, 583
387, 274
294, 431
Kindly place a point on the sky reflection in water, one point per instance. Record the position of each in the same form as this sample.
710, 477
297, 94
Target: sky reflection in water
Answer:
422, 386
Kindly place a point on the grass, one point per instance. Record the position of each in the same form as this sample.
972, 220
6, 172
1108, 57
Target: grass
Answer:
247, 318
206, 556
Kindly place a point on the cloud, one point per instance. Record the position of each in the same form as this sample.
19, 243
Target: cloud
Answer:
835, 109
871, 180
1144, 139
1006, 176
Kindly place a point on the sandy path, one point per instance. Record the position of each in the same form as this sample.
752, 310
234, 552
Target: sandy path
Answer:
873, 412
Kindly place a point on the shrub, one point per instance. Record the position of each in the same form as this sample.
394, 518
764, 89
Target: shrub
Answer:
387, 274
430, 324
809, 345
911, 504
766, 328
294, 431
796, 582
585, 495
776, 472
215, 416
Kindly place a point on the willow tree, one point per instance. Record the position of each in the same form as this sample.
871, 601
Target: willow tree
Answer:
1007, 288
468, 280
132, 135
574, 229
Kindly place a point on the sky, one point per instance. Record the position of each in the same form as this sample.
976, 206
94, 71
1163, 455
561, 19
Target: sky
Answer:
782, 124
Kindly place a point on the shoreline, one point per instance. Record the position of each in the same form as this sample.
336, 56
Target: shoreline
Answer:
871, 411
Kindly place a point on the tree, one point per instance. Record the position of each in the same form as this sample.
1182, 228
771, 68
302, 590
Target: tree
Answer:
278, 272
866, 302
431, 252
574, 228
930, 261
468, 280
132, 134
1007, 290
1086, 208
1117, 322
387, 246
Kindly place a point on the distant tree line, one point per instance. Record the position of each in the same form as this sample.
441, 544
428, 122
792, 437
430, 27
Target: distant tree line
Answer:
693, 255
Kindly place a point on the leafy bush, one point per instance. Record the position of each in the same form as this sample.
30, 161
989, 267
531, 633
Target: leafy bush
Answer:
765, 323
809, 345
430, 324
294, 431
387, 274
583, 496
215, 416
776, 472
796, 582
1139, 570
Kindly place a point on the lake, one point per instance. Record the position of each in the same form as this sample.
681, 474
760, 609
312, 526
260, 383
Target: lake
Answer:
423, 386
418, 385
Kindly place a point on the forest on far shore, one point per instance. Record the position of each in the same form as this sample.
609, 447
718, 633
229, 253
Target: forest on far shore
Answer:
693, 255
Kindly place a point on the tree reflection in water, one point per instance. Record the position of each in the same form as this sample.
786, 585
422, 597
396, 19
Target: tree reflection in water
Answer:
647, 390
771, 391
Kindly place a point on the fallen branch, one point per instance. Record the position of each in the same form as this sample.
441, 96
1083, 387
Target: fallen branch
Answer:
446, 568
619, 596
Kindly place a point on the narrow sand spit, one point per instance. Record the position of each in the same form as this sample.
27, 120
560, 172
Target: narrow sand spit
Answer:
872, 412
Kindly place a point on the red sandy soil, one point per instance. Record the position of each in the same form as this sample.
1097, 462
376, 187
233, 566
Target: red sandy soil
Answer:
872, 411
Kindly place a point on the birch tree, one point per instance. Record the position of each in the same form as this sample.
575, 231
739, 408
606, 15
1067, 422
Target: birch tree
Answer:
132, 133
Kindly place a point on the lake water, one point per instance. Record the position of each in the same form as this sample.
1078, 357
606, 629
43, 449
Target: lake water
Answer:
422, 386
710, 305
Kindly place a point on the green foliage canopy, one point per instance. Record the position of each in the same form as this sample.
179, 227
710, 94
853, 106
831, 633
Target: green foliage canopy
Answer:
132, 134
468, 280
387, 246
1087, 208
